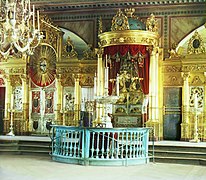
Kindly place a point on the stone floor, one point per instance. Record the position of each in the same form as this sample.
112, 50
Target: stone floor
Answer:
23, 167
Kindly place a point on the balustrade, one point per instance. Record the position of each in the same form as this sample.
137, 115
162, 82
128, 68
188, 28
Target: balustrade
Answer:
100, 146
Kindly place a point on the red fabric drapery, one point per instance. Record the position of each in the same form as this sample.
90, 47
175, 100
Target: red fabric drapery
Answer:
122, 50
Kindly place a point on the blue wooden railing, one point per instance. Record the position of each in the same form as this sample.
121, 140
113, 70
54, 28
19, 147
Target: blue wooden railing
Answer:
100, 146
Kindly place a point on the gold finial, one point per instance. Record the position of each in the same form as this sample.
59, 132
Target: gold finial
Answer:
151, 23
129, 12
119, 22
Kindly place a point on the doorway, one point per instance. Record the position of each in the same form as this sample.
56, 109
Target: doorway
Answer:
2, 108
172, 118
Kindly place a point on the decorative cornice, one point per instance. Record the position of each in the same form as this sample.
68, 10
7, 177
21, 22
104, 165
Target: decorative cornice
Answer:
68, 5
128, 37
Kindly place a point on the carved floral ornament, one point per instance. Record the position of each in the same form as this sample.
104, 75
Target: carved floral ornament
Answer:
68, 49
195, 44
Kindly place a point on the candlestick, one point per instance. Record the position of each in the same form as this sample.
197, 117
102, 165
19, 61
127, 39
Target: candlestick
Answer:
12, 101
106, 77
95, 85
117, 85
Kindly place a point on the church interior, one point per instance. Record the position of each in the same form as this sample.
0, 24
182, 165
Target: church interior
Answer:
114, 64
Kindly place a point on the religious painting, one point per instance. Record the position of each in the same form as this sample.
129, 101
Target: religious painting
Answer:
49, 98
35, 101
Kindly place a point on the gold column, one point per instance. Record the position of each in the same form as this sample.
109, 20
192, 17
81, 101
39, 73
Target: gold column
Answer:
185, 106
7, 96
59, 103
100, 86
77, 99
25, 88
153, 92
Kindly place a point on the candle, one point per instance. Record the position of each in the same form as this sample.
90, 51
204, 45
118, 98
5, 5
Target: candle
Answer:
117, 85
38, 20
106, 77
12, 101
64, 102
106, 60
33, 17
95, 85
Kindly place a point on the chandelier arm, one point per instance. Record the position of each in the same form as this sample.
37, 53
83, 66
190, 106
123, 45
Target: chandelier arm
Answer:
5, 53
19, 48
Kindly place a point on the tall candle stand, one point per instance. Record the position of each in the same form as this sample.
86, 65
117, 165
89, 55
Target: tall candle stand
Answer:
11, 133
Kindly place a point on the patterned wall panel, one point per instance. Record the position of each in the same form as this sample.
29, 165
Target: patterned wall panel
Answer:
84, 29
180, 26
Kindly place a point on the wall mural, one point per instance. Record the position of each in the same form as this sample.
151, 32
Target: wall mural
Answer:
35, 101
49, 102
18, 105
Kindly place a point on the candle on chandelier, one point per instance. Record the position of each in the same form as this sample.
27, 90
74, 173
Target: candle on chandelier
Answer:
38, 20
33, 17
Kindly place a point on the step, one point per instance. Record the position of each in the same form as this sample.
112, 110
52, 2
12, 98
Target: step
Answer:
201, 155
179, 160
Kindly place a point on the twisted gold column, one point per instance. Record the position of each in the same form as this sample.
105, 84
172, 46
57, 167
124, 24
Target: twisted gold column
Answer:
77, 100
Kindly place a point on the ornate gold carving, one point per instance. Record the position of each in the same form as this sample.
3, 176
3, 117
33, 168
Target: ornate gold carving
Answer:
172, 69
195, 44
24, 78
67, 70
68, 49
185, 75
172, 80
99, 51
89, 53
151, 24
17, 70
15, 80
128, 37
172, 52
68, 80
197, 81
87, 80
129, 12
2, 71
200, 94
50, 31
119, 22
197, 67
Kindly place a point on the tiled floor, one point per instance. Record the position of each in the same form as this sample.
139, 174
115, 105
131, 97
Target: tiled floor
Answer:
22, 167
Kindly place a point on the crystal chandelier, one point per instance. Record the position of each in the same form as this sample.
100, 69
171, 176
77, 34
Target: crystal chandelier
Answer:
19, 27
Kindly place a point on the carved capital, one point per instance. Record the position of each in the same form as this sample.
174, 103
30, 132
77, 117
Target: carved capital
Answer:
185, 75
99, 52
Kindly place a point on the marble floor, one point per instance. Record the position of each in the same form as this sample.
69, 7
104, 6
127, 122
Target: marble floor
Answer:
24, 167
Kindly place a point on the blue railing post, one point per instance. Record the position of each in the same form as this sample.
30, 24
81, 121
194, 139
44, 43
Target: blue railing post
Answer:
86, 149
